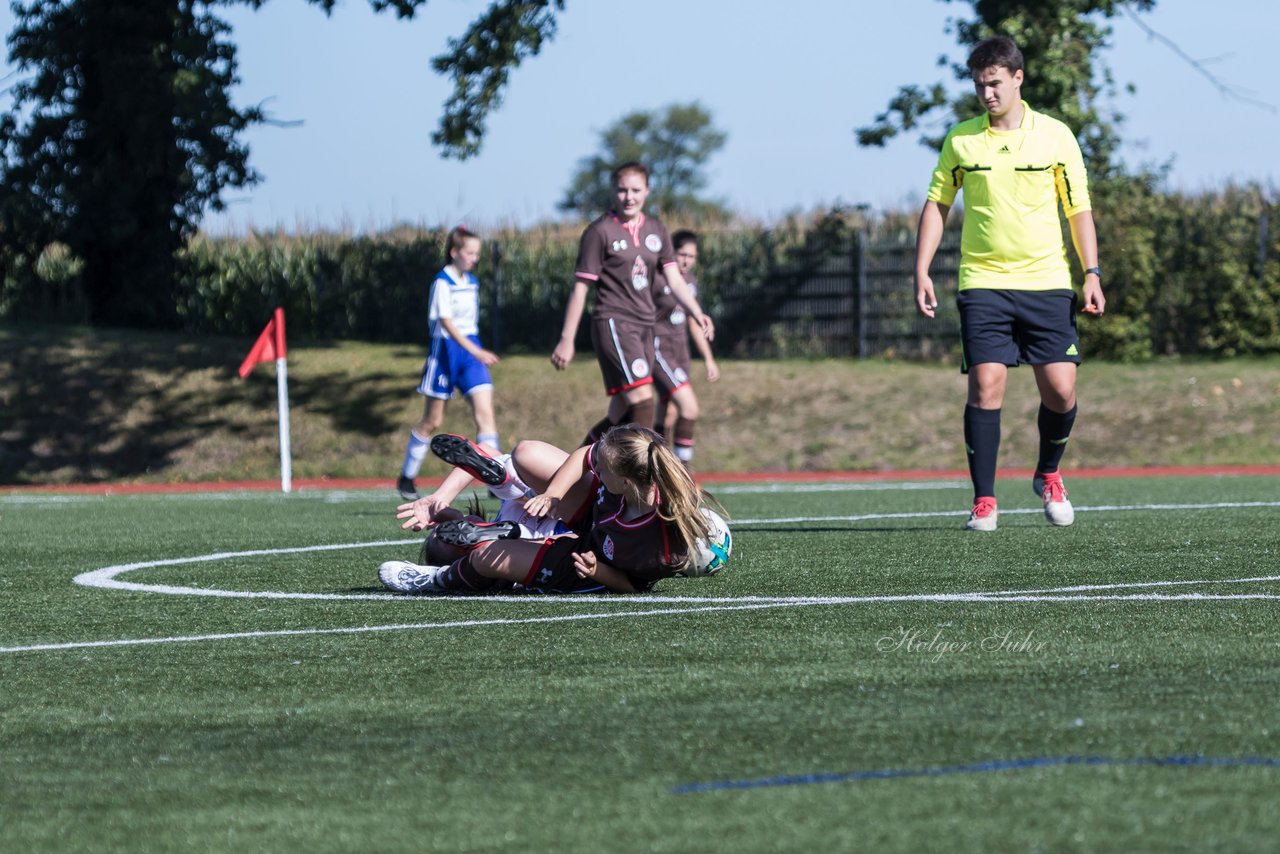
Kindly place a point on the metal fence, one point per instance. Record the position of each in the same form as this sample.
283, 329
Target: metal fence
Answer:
854, 298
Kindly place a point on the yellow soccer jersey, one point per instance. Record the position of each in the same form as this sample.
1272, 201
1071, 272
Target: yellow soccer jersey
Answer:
1012, 182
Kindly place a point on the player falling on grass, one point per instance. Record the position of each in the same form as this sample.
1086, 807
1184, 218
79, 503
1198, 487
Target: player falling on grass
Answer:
454, 532
619, 255
1015, 297
671, 333
634, 509
456, 360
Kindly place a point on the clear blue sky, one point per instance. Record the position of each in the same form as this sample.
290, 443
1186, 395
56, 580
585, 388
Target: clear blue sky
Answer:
788, 82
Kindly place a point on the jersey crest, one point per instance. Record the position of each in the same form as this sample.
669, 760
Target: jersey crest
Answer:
640, 274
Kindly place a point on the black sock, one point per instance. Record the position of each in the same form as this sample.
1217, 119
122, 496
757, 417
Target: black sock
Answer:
1055, 429
462, 577
982, 441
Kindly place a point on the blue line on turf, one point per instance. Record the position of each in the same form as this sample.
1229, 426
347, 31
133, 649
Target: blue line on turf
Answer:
976, 768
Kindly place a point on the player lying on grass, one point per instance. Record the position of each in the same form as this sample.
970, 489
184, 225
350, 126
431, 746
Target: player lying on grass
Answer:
453, 532
632, 507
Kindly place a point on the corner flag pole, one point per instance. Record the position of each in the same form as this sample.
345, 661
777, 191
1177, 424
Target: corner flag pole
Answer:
282, 405
271, 345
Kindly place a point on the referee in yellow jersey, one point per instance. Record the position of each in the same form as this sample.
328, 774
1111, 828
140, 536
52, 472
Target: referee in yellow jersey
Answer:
1016, 302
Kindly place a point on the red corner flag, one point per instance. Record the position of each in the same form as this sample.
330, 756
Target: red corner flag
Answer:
268, 347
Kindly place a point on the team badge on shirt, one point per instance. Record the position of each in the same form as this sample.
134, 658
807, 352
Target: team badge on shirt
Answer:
639, 274
607, 547
653, 242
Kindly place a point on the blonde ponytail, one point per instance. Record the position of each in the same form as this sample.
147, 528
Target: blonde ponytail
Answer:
642, 457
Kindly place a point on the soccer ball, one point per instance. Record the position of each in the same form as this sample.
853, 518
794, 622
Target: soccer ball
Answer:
711, 556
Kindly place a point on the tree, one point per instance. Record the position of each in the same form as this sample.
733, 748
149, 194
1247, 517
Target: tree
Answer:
479, 62
118, 141
124, 132
675, 143
1060, 41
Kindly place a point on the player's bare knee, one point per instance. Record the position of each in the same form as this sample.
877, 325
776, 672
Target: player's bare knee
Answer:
520, 451
639, 394
986, 398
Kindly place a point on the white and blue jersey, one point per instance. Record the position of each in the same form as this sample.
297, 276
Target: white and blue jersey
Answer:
449, 366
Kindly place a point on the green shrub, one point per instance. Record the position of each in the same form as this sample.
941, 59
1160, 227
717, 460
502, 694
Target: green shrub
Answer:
1188, 274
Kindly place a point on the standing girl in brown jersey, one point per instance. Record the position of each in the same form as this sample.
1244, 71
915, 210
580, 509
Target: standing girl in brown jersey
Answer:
620, 255
671, 333
636, 510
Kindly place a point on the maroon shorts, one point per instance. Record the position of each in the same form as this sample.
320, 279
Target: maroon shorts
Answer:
670, 361
625, 352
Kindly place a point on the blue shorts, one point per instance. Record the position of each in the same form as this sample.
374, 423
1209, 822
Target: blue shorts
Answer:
1011, 327
450, 367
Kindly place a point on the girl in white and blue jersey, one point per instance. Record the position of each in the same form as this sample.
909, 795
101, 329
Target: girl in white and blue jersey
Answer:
457, 360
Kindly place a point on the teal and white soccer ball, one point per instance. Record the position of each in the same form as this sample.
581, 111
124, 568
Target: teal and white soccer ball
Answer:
711, 555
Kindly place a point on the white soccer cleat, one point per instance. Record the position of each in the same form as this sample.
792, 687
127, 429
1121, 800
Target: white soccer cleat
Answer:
983, 516
1057, 509
404, 577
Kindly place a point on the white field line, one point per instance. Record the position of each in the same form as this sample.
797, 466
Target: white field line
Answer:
797, 488
106, 578
933, 514
395, 627
662, 612
340, 496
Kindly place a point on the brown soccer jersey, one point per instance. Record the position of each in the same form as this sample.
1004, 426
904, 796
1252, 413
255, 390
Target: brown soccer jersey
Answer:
646, 548
671, 318
622, 262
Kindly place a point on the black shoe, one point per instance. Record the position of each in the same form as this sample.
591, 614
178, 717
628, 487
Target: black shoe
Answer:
406, 488
461, 452
465, 534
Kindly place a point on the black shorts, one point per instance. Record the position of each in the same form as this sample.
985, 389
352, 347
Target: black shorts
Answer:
553, 570
625, 352
1011, 327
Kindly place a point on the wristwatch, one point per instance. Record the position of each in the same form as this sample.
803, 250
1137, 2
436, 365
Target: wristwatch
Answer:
1097, 271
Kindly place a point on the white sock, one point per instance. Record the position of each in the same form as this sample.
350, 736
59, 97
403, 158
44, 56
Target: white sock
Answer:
490, 440
414, 454
514, 488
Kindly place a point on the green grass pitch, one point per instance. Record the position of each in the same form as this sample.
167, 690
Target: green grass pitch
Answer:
864, 675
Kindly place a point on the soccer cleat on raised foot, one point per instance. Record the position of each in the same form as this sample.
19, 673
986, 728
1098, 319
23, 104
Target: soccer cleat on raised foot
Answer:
404, 577
407, 489
465, 534
1057, 509
983, 516
461, 452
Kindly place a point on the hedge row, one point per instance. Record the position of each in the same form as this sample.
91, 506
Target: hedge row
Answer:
1184, 273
